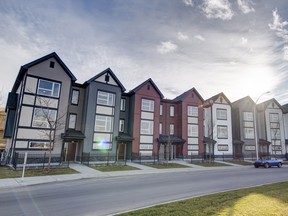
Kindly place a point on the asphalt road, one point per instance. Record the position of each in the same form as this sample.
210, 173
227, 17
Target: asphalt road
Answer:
108, 196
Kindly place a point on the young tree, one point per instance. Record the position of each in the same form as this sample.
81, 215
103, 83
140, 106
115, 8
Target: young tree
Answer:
49, 119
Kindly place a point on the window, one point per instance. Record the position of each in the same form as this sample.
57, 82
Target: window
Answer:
123, 104
222, 114
275, 134
104, 123
249, 133
171, 129
39, 145
171, 111
192, 130
161, 110
121, 125
222, 132
146, 127
48, 88
192, 111
72, 121
274, 117
248, 116
147, 105
75, 97
105, 98
160, 128
44, 118
52, 64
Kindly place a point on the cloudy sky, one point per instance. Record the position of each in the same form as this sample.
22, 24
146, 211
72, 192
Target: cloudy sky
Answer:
239, 47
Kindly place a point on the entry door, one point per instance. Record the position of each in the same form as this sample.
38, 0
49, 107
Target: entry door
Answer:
71, 152
121, 152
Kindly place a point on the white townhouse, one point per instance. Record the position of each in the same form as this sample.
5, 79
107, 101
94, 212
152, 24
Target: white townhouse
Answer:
270, 123
218, 126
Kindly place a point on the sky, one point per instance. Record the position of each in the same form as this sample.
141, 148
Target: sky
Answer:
238, 47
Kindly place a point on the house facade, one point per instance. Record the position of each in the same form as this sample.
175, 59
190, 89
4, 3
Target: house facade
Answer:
47, 110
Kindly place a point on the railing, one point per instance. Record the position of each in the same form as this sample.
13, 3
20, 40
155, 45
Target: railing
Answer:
37, 160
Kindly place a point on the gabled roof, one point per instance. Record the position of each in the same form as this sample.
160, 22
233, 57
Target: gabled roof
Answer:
133, 91
215, 97
285, 108
106, 71
243, 101
184, 95
24, 69
264, 105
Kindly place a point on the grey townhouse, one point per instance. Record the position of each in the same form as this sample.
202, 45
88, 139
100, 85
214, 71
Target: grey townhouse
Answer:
48, 110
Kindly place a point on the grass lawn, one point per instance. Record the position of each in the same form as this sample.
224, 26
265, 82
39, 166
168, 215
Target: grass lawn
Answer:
7, 172
208, 163
110, 168
166, 165
265, 200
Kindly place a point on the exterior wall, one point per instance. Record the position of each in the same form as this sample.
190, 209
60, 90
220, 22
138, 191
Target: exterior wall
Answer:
151, 94
285, 121
90, 114
28, 99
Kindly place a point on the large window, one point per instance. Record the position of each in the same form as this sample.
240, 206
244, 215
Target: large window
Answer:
192, 130
147, 105
39, 145
274, 117
222, 114
249, 133
105, 98
192, 111
248, 116
48, 88
146, 127
103, 123
248, 124
44, 118
222, 132
75, 97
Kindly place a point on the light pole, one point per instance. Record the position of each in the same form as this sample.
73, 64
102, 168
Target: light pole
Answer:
256, 134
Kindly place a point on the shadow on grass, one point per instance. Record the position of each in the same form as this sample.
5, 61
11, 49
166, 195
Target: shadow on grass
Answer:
265, 200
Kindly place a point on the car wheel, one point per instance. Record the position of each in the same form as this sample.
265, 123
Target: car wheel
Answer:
279, 165
256, 166
266, 165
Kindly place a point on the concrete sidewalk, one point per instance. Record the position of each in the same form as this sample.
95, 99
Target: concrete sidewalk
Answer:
87, 172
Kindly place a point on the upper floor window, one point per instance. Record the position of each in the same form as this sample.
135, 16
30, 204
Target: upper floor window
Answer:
44, 118
146, 127
103, 123
161, 109
222, 114
72, 121
75, 97
192, 111
172, 111
248, 116
222, 132
106, 98
160, 128
147, 105
121, 125
274, 117
123, 104
48, 88
171, 129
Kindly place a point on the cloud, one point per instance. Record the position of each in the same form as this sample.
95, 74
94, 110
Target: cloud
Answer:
188, 2
244, 40
199, 37
182, 36
217, 9
245, 6
167, 47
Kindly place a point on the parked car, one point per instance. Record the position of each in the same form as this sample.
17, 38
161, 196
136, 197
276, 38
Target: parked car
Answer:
268, 163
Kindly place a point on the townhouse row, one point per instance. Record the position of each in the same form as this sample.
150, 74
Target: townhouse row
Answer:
48, 109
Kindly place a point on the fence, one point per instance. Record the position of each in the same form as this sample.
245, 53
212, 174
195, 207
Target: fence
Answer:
37, 160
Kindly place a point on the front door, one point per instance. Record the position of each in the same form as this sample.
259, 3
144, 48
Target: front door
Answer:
71, 151
121, 151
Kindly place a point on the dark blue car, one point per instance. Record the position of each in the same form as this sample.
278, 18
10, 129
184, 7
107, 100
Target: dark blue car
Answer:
268, 163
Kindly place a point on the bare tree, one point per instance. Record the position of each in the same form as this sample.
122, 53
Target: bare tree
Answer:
49, 119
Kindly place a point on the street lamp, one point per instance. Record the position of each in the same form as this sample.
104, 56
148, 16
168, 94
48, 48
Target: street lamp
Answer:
256, 135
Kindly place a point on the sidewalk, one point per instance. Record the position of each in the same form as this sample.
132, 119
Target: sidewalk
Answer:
87, 172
